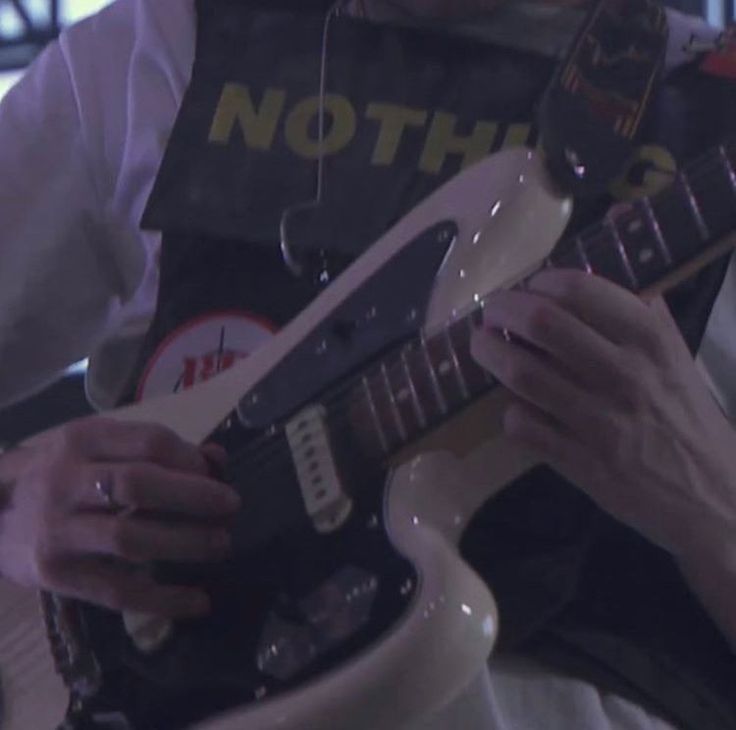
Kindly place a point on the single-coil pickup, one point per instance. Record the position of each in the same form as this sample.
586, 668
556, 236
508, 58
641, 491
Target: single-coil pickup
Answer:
327, 503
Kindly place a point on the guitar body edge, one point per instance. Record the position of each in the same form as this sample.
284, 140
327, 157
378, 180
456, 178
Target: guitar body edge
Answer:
430, 671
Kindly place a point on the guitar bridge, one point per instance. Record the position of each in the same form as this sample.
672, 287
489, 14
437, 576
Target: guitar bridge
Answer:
328, 504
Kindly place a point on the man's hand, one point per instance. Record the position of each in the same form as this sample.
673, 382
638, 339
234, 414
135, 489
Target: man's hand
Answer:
610, 397
59, 532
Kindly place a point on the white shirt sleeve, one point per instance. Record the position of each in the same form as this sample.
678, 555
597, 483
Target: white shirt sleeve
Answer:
81, 138
60, 277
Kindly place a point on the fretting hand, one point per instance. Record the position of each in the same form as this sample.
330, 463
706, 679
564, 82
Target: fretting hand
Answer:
610, 397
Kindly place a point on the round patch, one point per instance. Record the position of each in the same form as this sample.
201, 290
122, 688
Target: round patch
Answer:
200, 349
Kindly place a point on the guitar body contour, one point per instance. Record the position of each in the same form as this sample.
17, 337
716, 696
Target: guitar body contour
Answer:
398, 625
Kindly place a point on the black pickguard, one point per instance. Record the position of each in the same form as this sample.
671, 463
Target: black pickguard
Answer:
388, 308
319, 599
316, 599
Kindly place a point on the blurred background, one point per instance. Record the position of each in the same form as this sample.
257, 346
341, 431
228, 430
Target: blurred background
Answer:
26, 26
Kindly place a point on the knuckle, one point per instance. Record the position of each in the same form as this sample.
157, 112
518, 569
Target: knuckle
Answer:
541, 321
156, 443
71, 437
44, 566
521, 378
127, 485
633, 383
659, 346
573, 286
122, 541
654, 340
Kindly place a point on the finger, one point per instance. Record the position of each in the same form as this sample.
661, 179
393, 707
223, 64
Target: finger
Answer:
141, 540
615, 313
553, 445
150, 487
120, 588
105, 439
531, 378
551, 328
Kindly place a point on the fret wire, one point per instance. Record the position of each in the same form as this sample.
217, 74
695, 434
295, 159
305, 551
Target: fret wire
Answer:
583, 254
729, 167
441, 401
658, 230
374, 412
699, 220
580, 244
456, 364
473, 368
654, 224
622, 251
421, 415
400, 426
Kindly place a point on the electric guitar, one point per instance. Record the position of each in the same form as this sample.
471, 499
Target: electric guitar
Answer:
363, 438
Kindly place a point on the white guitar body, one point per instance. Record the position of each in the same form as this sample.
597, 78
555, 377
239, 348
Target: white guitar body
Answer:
429, 672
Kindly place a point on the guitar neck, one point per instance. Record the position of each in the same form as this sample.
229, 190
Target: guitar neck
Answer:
642, 246
648, 247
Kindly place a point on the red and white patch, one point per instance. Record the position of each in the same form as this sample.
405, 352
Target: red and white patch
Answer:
200, 349
722, 60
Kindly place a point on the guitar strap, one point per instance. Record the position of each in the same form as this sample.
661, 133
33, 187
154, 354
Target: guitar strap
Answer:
591, 115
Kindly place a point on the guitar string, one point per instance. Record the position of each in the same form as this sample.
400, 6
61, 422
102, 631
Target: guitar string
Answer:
335, 396
335, 400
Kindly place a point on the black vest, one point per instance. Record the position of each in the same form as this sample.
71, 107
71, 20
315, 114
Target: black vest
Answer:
574, 588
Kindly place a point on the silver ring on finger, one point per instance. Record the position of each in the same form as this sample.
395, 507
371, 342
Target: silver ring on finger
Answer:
105, 488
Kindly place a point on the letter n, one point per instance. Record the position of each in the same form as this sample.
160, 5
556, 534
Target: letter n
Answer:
257, 125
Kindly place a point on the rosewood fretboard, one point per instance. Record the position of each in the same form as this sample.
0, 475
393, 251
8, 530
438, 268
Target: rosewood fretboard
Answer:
415, 388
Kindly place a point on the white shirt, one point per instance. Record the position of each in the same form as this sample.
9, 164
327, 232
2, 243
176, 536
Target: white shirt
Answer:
81, 138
